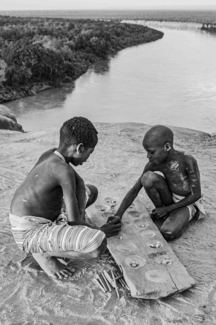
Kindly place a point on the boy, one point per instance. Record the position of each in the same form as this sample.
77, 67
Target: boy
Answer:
37, 204
171, 179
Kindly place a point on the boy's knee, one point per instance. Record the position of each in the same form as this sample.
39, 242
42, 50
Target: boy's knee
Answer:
102, 247
100, 250
93, 194
169, 234
148, 179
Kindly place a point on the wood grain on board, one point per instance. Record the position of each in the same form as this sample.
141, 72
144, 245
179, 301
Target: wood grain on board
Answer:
150, 267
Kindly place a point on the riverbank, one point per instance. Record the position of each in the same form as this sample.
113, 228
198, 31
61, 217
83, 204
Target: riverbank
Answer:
29, 296
38, 53
211, 28
194, 15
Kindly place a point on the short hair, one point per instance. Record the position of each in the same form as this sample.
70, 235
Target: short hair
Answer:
159, 134
78, 130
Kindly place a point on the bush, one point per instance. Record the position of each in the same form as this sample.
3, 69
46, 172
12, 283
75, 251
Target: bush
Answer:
32, 62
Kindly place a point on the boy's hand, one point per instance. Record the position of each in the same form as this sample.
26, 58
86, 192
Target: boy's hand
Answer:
112, 227
159, 213
114, 218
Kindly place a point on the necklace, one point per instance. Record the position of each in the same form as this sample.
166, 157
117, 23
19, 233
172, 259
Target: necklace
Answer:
57, 153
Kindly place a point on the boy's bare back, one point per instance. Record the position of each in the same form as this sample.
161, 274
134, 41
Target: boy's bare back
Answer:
41, 193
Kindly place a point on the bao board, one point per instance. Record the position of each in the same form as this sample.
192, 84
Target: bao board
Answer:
149, 266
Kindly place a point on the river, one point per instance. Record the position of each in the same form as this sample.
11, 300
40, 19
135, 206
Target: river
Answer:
171, 81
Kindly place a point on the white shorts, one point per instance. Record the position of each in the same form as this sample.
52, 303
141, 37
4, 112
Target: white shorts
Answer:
193, 208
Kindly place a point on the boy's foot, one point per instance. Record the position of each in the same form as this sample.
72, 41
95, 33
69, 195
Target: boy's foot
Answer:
196, 215
29, 262
53, 267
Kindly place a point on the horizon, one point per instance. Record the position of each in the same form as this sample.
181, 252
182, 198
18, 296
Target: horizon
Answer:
106, 5
121, 8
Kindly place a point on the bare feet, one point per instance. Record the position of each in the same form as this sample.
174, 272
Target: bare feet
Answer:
53, 267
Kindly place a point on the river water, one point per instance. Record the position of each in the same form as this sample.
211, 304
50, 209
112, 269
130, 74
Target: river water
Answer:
171, 81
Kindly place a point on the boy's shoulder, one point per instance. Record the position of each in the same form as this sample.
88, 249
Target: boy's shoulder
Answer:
183, 161
54, 163
45, 156
181, 155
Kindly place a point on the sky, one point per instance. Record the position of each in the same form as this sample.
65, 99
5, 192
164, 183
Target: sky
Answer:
103, 4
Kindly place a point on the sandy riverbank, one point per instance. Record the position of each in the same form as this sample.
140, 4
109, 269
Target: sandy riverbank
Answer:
30, 297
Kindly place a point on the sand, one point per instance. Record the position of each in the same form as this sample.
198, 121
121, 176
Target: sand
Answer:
28, 296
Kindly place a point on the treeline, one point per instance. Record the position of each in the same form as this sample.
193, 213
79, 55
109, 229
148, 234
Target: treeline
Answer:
45, 52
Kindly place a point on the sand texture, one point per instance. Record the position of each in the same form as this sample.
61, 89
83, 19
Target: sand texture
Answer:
28, 296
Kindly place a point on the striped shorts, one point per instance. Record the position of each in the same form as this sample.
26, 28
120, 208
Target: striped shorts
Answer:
40, 235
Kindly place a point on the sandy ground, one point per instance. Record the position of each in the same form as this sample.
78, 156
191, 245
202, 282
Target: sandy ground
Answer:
28, 296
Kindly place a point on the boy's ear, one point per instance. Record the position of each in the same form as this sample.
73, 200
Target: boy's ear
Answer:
167, 146
80, 148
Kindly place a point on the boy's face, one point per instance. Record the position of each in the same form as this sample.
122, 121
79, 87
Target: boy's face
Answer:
155, 153
81, 155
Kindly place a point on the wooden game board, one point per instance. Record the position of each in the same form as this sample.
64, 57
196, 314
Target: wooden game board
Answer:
150, 267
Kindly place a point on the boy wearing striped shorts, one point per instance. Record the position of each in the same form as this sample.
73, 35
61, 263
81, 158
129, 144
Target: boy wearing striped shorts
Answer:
36, 208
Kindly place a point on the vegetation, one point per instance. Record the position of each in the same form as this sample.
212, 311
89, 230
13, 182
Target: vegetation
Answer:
196, 15
36, 53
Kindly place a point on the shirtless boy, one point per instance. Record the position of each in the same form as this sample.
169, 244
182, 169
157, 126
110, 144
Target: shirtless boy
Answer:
171, 179
37, 204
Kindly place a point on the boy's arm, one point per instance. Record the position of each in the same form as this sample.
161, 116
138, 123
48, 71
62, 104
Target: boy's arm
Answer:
194, 182
195, 187
129, 198
67, 181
